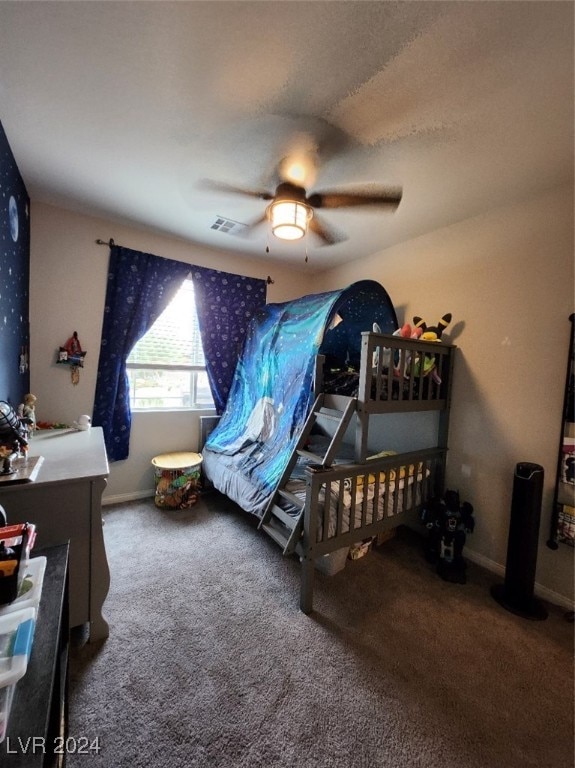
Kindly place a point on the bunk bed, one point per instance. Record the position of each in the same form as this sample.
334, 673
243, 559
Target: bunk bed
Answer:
293, 450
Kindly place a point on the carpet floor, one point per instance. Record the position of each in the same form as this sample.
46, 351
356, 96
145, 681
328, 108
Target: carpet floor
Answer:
210, 662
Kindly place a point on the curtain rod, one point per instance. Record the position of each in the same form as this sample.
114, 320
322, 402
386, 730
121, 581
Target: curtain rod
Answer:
111, 242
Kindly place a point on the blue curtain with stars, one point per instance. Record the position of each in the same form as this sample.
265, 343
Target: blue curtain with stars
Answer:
140, 287
225, 304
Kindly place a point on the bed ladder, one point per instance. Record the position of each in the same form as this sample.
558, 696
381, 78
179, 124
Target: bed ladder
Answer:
284, 527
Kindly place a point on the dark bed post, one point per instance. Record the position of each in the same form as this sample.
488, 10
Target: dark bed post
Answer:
309, 538
447, 375
365, 373
443, 434
318, 376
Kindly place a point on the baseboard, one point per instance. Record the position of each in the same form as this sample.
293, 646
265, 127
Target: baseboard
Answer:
540, 591
121, 498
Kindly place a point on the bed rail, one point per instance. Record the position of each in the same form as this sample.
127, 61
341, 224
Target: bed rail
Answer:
400, 374
351, 502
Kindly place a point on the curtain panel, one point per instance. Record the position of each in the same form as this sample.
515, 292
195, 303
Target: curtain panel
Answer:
140, 287
226, 304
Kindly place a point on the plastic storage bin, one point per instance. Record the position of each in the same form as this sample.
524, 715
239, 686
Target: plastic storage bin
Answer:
333, 562
16, 639
16, 541
30, 590
6, 696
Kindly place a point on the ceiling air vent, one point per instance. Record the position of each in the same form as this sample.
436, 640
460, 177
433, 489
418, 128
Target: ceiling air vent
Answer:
227, 225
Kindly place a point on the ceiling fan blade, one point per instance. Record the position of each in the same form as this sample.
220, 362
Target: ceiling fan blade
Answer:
328, 235
220, 186
256, 222
246, 229
388, 198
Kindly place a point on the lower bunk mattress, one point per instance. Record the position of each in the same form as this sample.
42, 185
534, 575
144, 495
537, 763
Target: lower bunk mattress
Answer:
357, 501
226, 472
350, 502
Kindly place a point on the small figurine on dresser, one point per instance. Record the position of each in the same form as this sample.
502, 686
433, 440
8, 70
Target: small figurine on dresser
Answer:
13, 437
27, 412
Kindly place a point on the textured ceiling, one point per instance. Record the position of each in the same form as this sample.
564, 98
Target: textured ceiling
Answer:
121, 109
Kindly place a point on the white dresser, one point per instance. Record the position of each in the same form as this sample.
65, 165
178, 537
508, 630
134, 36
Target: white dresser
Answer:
65, 503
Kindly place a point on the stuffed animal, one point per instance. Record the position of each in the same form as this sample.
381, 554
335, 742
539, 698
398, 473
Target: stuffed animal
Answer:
405, 332
432, 332
385, 351
419, 330
448, 521
403, 359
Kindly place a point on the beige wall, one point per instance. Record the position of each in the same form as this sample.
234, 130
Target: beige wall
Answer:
67, 291
506, 276
508, 279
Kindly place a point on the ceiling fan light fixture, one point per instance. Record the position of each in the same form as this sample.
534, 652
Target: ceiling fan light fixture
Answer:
289, 219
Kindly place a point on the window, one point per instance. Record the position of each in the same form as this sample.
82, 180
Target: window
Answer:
166, 369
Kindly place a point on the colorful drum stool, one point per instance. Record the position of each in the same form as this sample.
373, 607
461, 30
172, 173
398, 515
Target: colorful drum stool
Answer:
177, 478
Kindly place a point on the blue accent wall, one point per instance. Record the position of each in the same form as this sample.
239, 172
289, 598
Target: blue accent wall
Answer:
14, 278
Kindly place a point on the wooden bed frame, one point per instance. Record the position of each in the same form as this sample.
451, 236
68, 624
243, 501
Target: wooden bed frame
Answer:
302, 524
412, 391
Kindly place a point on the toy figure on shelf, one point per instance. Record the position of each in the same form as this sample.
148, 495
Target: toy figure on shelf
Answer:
27, 412
23, 367
448, 521
72, 354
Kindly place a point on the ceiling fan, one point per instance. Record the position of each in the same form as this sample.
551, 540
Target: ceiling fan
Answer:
292, 212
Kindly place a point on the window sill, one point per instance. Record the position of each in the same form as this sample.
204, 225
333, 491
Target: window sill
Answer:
200, 411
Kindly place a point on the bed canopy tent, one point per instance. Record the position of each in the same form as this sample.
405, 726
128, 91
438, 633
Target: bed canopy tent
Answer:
273, 386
